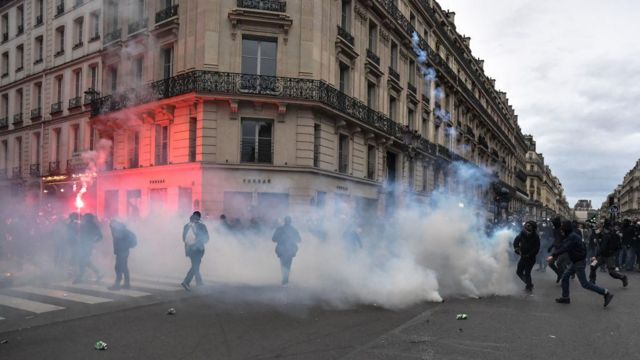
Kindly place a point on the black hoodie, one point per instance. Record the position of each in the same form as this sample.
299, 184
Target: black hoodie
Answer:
528, 244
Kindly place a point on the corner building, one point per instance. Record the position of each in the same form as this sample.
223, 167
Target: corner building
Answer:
247, 107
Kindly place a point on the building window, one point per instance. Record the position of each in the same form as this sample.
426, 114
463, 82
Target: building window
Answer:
113, 79
373, 36
138, 70
5, 27
412, 174
411, 121
193, 128
259, 56
394, 56
18, 157
345, 20
344, 77
60, 41
93, 71
162, 145
425, 178
371, 95
19, 19
78, 29
412, 19
112, 15
317, 136
19, 102
95, 25
5, 156
371, 162
5, 106
75, 139
167, 62
37, 95
424, 128
55, 153
134, 149
392, 108
77, 85
19, 57
59, 88
38, 49
39, 7
343, 153
412, 72
5, 64
257, 144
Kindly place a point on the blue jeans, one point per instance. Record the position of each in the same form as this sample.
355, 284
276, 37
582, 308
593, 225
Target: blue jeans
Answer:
285, 267
578, 268
196, 259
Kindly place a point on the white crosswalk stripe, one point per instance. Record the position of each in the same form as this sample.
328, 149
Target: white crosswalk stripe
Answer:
27, 305
1, 318
65, 295
103, 289
150, 285
160, 278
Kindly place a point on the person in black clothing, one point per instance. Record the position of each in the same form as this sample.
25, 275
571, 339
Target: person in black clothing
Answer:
627, 253
194, 236
577, 252
561, 263
287, 238
527, 245
123, 240
609, 246
89, 234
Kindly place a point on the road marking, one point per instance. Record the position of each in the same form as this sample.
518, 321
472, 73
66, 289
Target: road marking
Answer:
1, 318
160, 278
65, 295
150, 285
103, 289
27, 305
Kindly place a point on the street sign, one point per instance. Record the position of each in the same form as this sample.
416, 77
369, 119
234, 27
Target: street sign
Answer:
614, 209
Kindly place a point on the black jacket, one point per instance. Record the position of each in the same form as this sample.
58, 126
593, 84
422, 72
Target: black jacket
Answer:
123, 240
574, 246
628, 234
527, 245
287, 238
609, 243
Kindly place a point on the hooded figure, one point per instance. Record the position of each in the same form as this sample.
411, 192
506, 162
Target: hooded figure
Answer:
89, 234
123, 240
609, 245
194, 235
561, 263
574, 247
287, 238
527, 245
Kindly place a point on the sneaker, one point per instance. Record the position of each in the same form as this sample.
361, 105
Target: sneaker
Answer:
607, 298
186, 286
114, 287
563, 300
625, 281
529, 288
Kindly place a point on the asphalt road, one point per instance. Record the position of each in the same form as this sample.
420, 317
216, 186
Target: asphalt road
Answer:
242, 322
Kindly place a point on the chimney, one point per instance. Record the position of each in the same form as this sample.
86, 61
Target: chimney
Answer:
467, 41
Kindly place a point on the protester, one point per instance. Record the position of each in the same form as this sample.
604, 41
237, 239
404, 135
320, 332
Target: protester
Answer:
287, 238
561, 263
607, 250
577, 252
89, 235
527, 245
123, 240
194, 235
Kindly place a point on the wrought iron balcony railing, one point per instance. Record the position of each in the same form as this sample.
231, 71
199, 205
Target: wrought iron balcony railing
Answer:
425, 99
36, 114
34, 170
75, 102
394, 74
77, 45
113, 36
54, 167
4, 123
343, 33
268, 5
373, 57
38, 20
17, 119
412, 88
56, 107
37, 61
60, 9
136, 26
167, 13
94, 37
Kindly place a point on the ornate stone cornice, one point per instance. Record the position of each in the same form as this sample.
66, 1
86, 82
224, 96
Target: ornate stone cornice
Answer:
361, 12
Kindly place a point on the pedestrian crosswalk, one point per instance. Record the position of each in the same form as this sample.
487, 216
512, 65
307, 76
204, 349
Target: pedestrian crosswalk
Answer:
18, 302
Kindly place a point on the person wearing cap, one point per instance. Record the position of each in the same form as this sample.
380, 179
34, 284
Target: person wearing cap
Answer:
577, 252
287, 238
123, 240
194, 236
527, 245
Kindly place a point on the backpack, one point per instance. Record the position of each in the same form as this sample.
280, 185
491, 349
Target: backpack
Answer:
190, 238
132, 240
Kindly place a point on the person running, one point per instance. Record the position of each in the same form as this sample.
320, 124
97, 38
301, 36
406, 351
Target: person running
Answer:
89, 234
123, 240
609, 246
561, 263
577, 252
287, 238
194, 235
527, 245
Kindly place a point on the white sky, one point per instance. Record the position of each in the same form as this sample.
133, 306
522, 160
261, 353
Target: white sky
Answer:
571, 69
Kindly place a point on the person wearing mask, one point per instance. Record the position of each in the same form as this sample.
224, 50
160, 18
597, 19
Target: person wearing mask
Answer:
527, 245
194, 235
287, 239
607, 250
574, 247
562, 262
123, 240
89, 234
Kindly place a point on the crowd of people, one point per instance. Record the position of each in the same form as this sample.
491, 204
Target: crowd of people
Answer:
568, 247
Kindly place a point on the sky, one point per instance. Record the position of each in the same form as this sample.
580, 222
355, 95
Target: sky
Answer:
571, 69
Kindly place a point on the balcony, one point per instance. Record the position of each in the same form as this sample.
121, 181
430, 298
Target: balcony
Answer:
75, 102
373, 57
17, 119
74, 168
113, 36
412, 88
372, 65
19, 68
36, 114
345, 35
56, 107
5, 37
37, 61
136, 26
267, 5
59, 53
78, 45
426, 100
34, 170
20, 30
60, 9
4, 123
54, 167
94, 37
38, 20
167, 13
17, 172
394, 74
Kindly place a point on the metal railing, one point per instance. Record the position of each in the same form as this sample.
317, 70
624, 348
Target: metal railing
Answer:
34, 170
56, 107
373, 57
75, 102
113, 36
36, 113
17, 119
54, 167
343, 33
60, 9
268, 5
136, 26
394, 74
167, 13
38, 20
4, 123
412, 88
